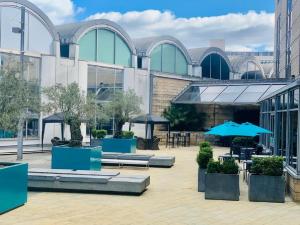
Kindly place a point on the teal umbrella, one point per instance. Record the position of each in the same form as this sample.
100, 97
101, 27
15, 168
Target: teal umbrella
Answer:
253, 128
230, 129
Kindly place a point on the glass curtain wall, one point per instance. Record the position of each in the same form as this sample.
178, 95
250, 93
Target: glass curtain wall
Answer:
168, 58
280, 114
104, 82
32, 75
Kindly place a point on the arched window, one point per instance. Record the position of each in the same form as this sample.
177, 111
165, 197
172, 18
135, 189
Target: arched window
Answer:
103, 45
214, 66
167, 58
37, 36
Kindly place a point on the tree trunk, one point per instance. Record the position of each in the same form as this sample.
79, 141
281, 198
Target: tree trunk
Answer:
20, 138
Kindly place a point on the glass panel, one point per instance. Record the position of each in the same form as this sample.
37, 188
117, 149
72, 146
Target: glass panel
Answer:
168, 58
282, 120
39, 38
106, 43
230, 93
87, 49
123, 53
10, 17
211, 93
181, 63
293, 138
294, 99
192, 95
252, 93
156, 58
272, 89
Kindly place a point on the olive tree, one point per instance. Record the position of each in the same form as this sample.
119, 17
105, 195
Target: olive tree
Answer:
19, 99
122, 107
75, 106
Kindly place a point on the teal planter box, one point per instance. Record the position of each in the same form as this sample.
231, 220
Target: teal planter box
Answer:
76, 158
13, 185
119, 145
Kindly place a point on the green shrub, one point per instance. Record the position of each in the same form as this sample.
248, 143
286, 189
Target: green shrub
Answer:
208, 150
243, 141
214, 167
94, 133
230, 167
203, 158
271, 166
101, 134
204, 144
127, 134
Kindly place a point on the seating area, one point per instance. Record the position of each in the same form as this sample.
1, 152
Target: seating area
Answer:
178, 139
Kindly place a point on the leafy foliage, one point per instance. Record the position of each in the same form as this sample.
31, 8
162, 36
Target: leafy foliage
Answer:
230, 167
18, 98
123, 107
205, 154
127, 134
74, 105
214, 167
271, 166
244, 141
99, 134
184, 117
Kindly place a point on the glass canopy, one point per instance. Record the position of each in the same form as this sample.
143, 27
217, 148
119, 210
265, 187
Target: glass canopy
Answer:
226, 93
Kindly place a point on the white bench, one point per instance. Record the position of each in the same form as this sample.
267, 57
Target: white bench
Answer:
123, 162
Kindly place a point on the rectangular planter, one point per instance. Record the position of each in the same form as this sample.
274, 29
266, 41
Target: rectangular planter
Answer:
222, 186
76, 158
266, 188
119, 145
96, 142
201, 179
13, 185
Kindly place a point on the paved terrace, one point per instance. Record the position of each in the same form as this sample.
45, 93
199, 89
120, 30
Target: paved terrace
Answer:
172, 198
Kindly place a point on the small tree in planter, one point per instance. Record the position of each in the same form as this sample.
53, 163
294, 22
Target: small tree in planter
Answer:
266, 183
204, 156
222, 180
98, 135
76, 108
123, 107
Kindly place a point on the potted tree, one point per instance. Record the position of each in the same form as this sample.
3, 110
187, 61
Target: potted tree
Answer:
124, 106
222, 180
266, 182
73, 104
205, 154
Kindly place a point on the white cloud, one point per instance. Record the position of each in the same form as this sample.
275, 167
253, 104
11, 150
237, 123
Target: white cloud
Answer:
59, 11
243, 32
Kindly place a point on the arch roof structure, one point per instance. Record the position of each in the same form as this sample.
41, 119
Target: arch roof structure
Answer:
238, 62
71, 33
199, 54
144, 46
38, 12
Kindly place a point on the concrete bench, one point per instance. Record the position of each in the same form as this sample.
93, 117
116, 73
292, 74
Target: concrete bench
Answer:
86, 181
125, 162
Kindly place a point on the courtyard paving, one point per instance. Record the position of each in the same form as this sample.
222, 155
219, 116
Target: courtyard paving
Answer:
171, 198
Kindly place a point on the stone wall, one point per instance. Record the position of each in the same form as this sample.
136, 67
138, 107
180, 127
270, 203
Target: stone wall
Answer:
164, 90
293, 187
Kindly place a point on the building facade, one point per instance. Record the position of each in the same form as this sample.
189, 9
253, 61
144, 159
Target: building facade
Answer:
101, 57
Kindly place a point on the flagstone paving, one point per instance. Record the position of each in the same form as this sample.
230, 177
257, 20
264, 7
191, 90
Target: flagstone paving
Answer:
171, 198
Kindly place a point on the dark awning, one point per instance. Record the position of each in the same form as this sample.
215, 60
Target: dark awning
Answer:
150, 119
55, 118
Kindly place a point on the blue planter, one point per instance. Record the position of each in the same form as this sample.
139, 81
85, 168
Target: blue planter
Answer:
119, 145
13, 185
76, 158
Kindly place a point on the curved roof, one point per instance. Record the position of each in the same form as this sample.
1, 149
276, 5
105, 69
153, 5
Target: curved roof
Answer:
144, 46
71, 33
238, 61
38, 12
199, 54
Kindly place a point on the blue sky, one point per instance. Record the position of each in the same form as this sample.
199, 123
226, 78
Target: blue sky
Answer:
181, 8
245, 25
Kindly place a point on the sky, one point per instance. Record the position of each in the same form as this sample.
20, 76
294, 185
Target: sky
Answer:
245, 25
